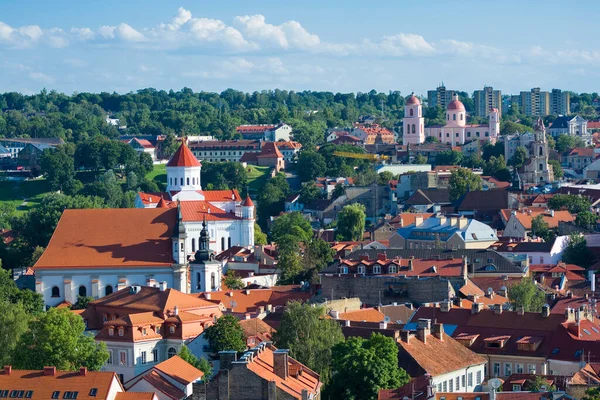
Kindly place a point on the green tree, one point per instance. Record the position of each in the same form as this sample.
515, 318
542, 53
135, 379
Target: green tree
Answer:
384, 177
294, 224
566, 142
338, 191
289, 260
577, 252
169, 145
309, 192
58, 166
226, 334
463, 180
14, 321
540, 228
431, 139
540, 384
271, 198
363, 366
573, 203
259, 236
233, 281
309, 336
317, 255
526, 294
311, 165
557, 169
351, 222
57, 337
592, 393
200, 363
587, 220
419, 158
449, 157
519, 158
82, 302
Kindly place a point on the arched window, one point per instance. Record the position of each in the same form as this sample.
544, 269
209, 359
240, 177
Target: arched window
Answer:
193, 245
55, 291
392, 269
188, 181
411, 112
229, 242
82, 291
213, 281
222, 243
108, 290
453, 117
541, 167
171, 352
413, 128
198, 280
461, 116
447, 117
376, 269
181, 180
541, 151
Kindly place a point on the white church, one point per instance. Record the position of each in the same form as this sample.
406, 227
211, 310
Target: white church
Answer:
95, 252
455, 132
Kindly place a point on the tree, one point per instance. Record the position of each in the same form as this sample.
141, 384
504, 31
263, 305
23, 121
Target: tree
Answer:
540, 384
385, 177
271, 198
573, 203
540, 228
557, 169
311, 165
226, 334
289, 260
351, 222
13, 323
200, 363
58, 166
566, 142
592, 393
259, 236
57, 337
449, 157
419, 158
309, 192
587, 220
338, 191
317, 255
82, 302
577, 252
526, 294
309, 336
32, 302
169, 145
519, 158
233, 281
294, 224
363, 366
463, 180
431, 139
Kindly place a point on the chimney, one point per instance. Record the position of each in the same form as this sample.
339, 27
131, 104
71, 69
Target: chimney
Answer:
405, 336
335, 314
7, 369
575, 329
418, 220
261, 309
545, 311
207, 296
465, 269
569, 314
445, 306
459, 303
247, 316
424, 329
520, 310
226, 358
438, 331
383, 325
411, 260
280, 363
453, 221
175, 310
50, 371
83, 371
247, 291
476, 308
163, 286
381, 257
269, 308
347, 322
462, 222
498, 309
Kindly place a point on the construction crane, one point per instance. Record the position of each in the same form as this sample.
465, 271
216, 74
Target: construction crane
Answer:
369, 157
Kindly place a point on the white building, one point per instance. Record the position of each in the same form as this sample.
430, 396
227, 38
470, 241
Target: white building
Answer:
143, 146
454, 132
572, 126
511, 142
268, 133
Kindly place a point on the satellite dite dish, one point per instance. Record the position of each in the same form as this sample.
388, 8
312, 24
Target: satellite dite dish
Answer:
495, 383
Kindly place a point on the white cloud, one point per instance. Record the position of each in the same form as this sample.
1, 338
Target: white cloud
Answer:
41, 77
75, 62
24, 36
289, 35
399, 45
129, 34
107, 32
82, 33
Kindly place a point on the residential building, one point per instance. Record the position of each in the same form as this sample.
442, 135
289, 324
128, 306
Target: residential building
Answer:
373, 133
556, 276
592, 171
144, 326
535, 103
511, 142
427, 150
289, 150
536, 252
268, 133
439, 178
572, 126
579, 158
389, 226
15, 145
483, 205
52, 384
224, 150
486, 100
263, 372
172, 379
446, 232
455, 132
449, 365
256, 331
537, 170
30, 156
143, 146
560, 102
518, 222
440, 96
292, 203
327, 185
429, 200
269, 156
584, 379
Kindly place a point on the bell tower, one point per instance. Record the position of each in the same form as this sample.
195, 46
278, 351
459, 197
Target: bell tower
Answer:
206, 271
413, 124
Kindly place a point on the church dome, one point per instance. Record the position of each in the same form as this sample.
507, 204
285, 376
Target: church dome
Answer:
183, 157
413, 100
456, 105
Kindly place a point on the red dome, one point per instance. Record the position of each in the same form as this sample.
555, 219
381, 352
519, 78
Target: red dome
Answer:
413, 100
183, 157
456, 105
248, 202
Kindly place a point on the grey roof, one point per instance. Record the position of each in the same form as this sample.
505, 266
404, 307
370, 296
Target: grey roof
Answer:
429, 196
479, 260
35, 141
561, 122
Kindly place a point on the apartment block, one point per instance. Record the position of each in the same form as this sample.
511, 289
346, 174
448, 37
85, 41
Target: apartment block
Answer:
487, 99
440, 96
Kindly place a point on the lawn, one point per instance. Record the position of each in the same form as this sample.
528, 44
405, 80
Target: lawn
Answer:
257, 177
23, 194
158, 174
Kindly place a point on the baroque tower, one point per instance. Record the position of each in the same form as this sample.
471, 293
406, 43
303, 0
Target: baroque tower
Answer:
206, 271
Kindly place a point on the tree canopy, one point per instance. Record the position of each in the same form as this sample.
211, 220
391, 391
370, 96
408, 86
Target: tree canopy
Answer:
526, 294
570, 202
576, 252
226, 334
351, 222
463, 180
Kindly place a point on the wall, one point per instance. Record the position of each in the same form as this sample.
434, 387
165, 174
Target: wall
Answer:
368, 288
341, 305
438, 381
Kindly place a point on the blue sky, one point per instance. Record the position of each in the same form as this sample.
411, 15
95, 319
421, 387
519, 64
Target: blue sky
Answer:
77, 45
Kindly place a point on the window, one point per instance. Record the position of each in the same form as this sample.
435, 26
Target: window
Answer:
193, 245
55, 394
144, 332
453, 117
172, 329
496, 369
222, 244
3, 394
111, 331
155, 355
456, 134
143, 359
457, 383
171, 352
187, 181
413, 128
29, 394
439, 389
213, 282
470, 379
507, 369
361, 269
182, 248
392, 269
55, 291
516, 388
229, 242
461, 117
451, 385
376, 269
445, 386
181, 181
110, 357
121, 331
519, 368
343, 270
122, 358
541, 167
478, 377
157, 329
531, 368
108, 290
93, 392
411, 112
464, 380
468, 134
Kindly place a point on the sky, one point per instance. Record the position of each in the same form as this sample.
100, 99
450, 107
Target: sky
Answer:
340, 46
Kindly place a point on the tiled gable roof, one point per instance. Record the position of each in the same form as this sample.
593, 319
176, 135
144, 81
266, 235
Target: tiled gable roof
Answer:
484, 200
365, 314
163, 385
248, 300
183, 157
180, 370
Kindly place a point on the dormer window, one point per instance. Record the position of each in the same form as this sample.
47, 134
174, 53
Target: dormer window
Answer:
144, 332
111, 331
529, 343
104, 318
172, 329
121, 331
376, 269
361, 269
157, 329
392, 269
496, 342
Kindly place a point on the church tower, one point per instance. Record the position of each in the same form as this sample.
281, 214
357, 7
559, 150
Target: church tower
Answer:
494, 121
183, 175
413, 124
206, 271
537, 170
179, 256
247, 214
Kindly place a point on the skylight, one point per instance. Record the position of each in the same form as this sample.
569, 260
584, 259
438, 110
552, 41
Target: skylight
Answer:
587, 332
555, 350
595, 330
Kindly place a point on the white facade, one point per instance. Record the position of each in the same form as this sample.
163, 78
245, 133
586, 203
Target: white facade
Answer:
462, 380
184, 179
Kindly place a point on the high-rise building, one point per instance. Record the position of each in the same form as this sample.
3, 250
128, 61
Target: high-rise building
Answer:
486, 100
560, 102
440, 97
535, 103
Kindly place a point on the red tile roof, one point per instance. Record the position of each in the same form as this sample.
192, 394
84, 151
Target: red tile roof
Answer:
126, 237
365, 314
248, 202
269, 150
248, 300
582, 152
163, 385
178, 369
420, 267
525, 216
183, 157
248, 129
144, 143
198, 210
136, 396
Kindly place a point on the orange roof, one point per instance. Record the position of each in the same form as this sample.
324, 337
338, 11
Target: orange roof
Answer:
162, 203
255, 326
269, 150
222, 195
135, 396
180, 370
582, 151
122, 237
254, 128
163, 385
183, 157
291, 145
472, 289
144, 143
248, 300
588, 374
405, 219
248, 202
365, 314
525, 216
197, 210
43, 386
